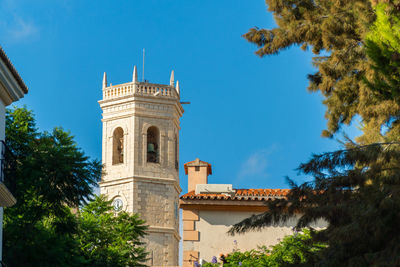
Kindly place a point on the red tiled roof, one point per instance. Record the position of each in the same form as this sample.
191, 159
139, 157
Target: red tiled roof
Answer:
240, 194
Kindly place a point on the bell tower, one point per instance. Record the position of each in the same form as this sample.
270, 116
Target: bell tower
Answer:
140, 154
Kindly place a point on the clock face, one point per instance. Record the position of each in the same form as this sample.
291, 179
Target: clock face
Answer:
117, 204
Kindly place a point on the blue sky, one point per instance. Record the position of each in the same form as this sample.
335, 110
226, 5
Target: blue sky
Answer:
250, 117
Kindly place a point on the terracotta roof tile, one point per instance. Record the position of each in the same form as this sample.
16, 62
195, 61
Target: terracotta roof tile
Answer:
241, 194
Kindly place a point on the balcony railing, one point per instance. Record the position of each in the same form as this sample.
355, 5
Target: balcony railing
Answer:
7, 168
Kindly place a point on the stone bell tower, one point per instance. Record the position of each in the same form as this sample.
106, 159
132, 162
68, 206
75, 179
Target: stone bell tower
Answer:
141, 159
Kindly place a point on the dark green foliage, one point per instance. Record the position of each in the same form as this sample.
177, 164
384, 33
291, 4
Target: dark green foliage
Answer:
383, 49
335, 31
297, 249
41, 243
109, 240
348, 76
52, 175
357, 56
357, 192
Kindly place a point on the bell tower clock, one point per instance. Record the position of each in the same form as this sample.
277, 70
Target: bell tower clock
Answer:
140, 154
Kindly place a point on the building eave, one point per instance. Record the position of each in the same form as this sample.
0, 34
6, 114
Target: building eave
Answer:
14, 72
6, 198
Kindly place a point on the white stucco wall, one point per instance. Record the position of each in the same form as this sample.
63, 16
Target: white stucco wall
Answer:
214, 240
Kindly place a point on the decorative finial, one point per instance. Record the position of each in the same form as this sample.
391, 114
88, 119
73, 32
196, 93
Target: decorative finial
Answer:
104, 80
171, 80
177, 87
134, 76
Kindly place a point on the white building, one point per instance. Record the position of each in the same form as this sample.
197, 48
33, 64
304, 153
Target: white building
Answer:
210, 210
12, 88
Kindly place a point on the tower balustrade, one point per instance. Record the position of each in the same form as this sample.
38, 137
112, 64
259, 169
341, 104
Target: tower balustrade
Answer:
139, 89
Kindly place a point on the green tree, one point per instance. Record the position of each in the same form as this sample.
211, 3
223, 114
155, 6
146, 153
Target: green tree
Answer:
336, 32
51, 174
383, 49
355, 190
109, 239
297, 249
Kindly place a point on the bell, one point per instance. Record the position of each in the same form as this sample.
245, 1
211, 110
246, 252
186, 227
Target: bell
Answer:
150, 147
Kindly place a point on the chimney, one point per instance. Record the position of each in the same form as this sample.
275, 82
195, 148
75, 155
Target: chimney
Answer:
197, 172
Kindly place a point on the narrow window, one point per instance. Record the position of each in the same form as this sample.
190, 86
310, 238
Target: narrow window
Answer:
118, 146
153, 143
176, 153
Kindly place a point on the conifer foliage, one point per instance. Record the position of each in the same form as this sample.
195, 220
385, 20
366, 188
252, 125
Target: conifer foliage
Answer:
335, 31
383, 49
355, 190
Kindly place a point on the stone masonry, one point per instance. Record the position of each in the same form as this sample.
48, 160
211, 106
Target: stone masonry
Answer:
140, 154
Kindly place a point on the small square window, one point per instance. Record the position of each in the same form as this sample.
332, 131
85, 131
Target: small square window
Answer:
197, 168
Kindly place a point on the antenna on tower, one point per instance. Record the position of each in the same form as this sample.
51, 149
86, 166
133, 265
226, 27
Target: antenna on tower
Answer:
143, 67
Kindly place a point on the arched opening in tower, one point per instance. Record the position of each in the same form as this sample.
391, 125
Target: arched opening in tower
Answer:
118, 146
153, 144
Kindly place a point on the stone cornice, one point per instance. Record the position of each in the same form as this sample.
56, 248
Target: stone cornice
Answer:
138, 99
137, 114
143, 115
145, 179
141, 99
169, 230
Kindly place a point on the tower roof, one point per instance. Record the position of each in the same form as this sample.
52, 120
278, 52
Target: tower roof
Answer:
198, 163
